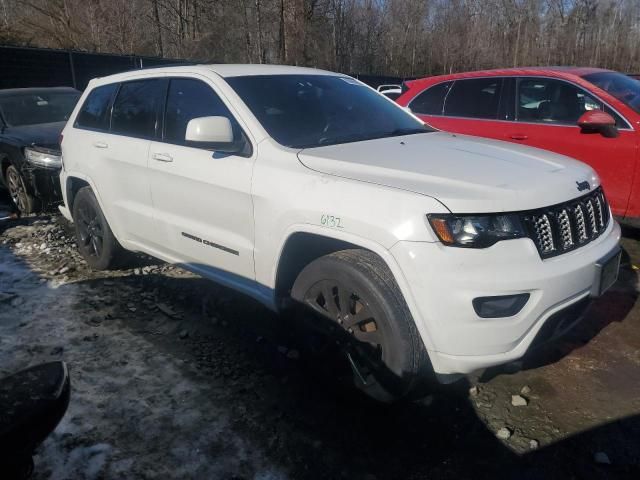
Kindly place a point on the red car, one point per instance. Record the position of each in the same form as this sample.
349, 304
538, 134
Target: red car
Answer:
589, 114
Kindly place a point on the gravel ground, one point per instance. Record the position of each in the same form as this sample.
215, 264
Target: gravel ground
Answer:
175, 377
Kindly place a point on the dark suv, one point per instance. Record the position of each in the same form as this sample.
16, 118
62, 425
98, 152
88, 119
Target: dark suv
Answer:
31, 120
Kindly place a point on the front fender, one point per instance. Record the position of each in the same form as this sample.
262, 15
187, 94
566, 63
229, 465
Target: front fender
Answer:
365, 243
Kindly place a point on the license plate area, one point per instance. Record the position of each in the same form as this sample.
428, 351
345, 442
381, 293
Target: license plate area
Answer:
606, 272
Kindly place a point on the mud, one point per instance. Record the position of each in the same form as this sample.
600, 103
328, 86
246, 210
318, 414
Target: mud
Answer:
176, 377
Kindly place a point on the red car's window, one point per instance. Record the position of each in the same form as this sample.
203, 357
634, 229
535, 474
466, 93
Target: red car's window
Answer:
548, 100
431, 101
474, 98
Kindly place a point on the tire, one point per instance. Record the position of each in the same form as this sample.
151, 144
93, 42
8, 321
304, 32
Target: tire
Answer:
354, 291
20, 195
96, 241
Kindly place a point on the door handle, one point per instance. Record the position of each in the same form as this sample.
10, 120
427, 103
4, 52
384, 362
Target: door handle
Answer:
519, 136
162, 157
100, 145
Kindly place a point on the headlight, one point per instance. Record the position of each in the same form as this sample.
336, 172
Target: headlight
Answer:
476, 231
43, 158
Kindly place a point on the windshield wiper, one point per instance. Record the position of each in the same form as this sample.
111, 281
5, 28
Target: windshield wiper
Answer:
408, 131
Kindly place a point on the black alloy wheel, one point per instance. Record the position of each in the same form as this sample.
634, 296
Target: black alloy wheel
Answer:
90, 230
364, 341
20, 196
96, 242
360, 308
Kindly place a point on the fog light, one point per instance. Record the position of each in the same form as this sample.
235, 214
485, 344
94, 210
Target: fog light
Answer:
501, 306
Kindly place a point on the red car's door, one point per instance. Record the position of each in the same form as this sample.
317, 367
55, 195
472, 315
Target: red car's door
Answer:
547, 111
470, 106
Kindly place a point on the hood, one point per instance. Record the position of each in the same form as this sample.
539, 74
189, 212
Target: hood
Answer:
467, 174
43, 135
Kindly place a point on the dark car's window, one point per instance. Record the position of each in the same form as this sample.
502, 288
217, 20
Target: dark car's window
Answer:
474, 98
36, 108
392, 95
305, 111
94, 114
137, 107
622, 87
431, 101
188, 99
554, 101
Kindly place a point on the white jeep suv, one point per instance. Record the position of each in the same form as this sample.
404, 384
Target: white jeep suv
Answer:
422, 251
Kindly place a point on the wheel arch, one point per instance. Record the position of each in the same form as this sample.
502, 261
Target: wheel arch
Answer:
7, 158
72, 187
73, 182
305, 244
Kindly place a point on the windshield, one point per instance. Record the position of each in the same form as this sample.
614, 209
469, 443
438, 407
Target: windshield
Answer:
622, 87
35, 108
305, 111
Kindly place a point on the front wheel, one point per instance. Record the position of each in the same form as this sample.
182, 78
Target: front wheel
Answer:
23, 200
354, 292
96, 241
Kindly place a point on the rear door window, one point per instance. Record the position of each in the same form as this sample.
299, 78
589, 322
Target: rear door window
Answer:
189, 99
474, 98
137, 108
431, 101
94, 114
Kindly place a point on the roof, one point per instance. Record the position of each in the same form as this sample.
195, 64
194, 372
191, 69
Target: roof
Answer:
10, 92
561, 72
224, 70
240, 70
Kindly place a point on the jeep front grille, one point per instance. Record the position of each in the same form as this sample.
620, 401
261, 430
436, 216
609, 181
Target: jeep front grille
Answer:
561, 228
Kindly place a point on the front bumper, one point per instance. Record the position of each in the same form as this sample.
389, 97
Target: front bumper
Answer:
44, 182
443, 281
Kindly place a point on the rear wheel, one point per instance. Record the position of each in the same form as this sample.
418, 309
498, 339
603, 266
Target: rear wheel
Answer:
96, 241
357, 296
23, 200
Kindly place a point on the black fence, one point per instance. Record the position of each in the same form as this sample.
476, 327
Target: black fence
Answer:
23, 67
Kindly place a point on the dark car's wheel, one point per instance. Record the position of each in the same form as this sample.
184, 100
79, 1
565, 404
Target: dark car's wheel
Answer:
24, 201
366, 313
96, 241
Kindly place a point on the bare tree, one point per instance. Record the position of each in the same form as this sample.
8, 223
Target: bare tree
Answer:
398, 37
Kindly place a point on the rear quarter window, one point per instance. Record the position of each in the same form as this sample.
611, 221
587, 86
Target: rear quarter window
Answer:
430, 101
94, 114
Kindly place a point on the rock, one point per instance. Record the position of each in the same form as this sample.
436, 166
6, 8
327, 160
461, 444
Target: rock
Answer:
293, 354
137, 271
166, 310
64, 270
473, 391
17, 301
6, 297
533, 444
602, 458
56, 351
519, 401
504, 433
43, 246
283, 350
526, 390
184, 334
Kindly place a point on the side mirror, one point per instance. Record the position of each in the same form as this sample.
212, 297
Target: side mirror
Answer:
215, 133
597, 121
